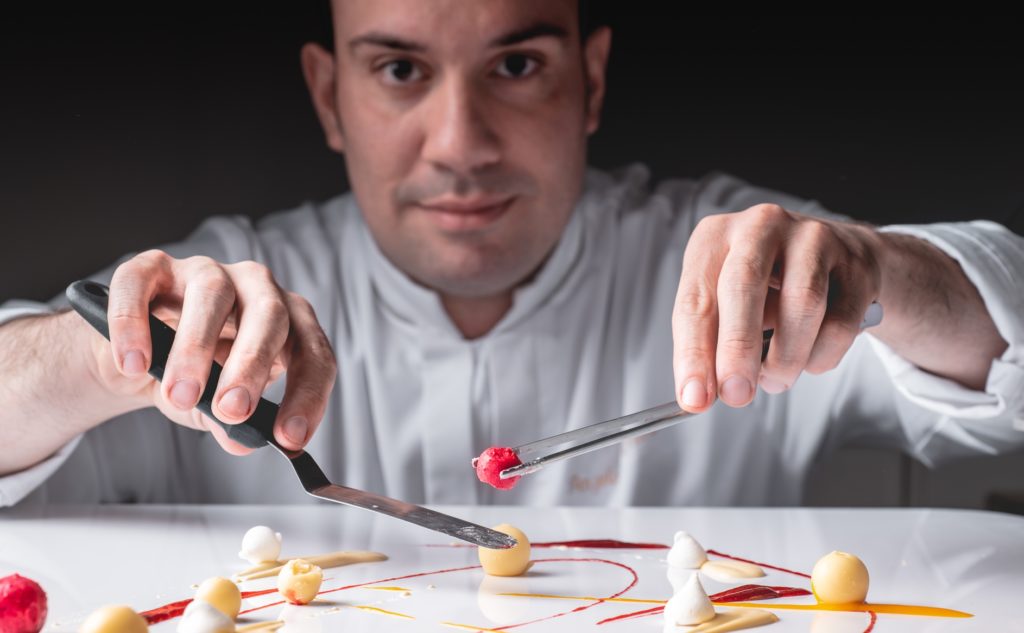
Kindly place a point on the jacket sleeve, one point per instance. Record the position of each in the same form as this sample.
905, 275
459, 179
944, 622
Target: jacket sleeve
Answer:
121, 445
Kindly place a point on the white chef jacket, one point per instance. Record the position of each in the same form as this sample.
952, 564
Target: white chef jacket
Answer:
588, 339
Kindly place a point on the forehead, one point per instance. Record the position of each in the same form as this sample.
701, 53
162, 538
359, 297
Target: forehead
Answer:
450, 23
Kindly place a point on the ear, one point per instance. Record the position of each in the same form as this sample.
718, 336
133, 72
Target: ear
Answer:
595, 60
318, 69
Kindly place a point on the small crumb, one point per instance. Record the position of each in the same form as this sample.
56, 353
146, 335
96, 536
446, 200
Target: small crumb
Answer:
406, 594
431, 586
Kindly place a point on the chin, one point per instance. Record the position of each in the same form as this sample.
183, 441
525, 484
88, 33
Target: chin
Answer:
477, 277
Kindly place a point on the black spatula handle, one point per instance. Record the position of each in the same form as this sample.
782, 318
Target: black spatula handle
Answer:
89, 299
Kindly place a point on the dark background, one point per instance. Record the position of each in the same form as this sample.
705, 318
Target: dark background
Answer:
121, 131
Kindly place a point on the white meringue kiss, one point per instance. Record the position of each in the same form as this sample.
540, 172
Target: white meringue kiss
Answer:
260, 545
686, 552
690, 605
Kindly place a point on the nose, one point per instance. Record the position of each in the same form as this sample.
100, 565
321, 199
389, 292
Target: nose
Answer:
458, 136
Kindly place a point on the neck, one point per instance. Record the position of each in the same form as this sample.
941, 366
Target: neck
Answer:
476, 316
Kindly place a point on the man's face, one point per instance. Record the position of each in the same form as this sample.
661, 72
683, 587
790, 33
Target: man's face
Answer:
464, 127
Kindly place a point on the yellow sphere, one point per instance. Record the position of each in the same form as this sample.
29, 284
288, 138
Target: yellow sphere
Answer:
513, 561
839, 578
221, 593
298, 582
114, 619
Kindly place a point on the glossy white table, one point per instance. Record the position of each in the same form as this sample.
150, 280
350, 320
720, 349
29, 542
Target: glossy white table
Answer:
145, 556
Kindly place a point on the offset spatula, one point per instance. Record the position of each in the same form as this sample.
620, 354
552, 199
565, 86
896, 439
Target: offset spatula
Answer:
89, 299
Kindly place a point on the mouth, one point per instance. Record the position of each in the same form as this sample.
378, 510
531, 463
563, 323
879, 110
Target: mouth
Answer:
457, 215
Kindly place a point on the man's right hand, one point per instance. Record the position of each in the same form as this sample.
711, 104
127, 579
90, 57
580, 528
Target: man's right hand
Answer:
235, 314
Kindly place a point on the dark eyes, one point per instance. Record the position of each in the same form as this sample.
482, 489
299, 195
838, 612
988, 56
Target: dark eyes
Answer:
400, 72
517, 65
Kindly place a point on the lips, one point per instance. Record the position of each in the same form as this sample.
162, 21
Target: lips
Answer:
465, 214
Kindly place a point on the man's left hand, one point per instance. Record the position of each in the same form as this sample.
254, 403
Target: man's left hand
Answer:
810, 280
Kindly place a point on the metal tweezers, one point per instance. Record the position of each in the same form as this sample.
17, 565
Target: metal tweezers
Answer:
557, 448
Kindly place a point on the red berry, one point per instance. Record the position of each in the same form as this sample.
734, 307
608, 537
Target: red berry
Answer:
22, 605
490, 464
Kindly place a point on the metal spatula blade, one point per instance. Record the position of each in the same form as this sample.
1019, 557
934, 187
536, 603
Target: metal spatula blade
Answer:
89, 299
317, 484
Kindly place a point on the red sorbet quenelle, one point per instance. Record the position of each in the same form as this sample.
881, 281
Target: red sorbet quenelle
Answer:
22, 605
490, 464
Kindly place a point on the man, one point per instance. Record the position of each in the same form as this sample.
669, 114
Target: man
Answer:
480, 286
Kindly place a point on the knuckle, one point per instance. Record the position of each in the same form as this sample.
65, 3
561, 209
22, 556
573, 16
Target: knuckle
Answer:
740, 345
271, 309
215, 288
256, 270
200, 262
765, 213
815, 261
805, 302
746, 269
300, 302
711, 223
152, 258
320, 348
697, 301
144, 264
215, 281
122, 317
818, 233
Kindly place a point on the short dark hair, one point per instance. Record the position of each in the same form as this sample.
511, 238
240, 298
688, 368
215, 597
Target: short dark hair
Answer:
592, 14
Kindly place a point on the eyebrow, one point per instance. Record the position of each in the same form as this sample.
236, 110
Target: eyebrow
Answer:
540, 29
387, 41
394, 42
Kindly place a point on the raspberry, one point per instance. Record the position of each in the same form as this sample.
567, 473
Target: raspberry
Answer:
22, 605
490, 464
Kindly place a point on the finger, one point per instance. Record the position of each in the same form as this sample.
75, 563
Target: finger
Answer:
311, 372
263, 324
209, 298
695, 317
848, 298
132, 287
802, 301
742, 293
219, 434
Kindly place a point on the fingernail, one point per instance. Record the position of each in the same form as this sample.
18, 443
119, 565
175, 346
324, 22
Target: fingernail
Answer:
295, 429
770, 385
236, 402
134, 363
185, 394
737, 391
694, 394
